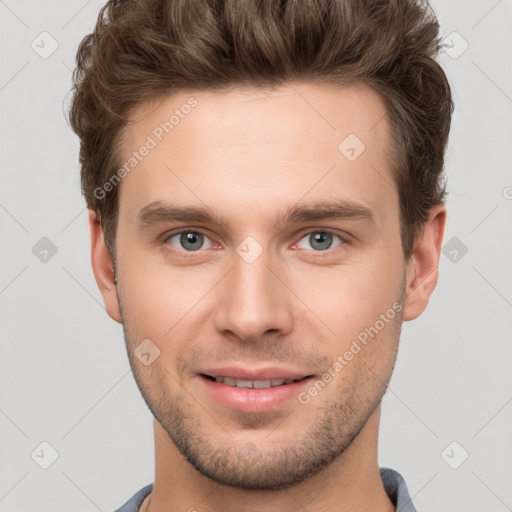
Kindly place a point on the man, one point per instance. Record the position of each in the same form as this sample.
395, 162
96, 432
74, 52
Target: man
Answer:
266, 206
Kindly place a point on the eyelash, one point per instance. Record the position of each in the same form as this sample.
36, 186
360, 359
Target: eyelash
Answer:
343, 240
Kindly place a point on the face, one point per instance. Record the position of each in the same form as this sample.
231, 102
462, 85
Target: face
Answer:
251, 245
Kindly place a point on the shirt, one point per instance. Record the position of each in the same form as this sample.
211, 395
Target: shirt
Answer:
393, 482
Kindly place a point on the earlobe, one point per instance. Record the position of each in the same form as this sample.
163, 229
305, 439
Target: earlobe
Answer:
422, 266
102, 266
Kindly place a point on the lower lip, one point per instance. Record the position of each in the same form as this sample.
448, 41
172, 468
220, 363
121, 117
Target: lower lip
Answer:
252, 399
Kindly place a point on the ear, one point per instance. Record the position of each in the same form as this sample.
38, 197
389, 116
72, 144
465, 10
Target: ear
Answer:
422, 266
103, 268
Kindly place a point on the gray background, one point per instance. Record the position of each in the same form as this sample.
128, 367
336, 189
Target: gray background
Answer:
65, 378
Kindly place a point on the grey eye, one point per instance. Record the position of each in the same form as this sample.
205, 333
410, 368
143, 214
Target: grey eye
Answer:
189, 240
319, 240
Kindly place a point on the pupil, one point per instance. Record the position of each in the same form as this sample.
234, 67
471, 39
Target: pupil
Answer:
323, 239
189, 239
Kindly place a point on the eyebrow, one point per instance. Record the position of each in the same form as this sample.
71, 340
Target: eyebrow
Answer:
159, 212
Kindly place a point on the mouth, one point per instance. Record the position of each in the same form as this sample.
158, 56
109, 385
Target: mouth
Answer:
254, 396
253, 384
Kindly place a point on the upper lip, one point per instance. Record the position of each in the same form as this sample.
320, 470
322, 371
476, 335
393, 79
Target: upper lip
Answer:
266, 373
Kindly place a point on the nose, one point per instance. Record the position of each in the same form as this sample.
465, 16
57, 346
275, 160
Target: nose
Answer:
253, 301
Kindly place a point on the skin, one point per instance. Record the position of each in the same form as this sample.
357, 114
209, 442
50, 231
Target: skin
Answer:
248, 155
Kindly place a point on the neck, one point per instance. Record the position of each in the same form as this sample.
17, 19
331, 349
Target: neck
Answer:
351, 482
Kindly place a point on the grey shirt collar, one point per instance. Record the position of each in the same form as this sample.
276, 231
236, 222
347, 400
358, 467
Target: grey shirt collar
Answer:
393, 482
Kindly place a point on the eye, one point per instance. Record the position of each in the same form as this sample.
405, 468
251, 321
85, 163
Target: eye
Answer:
319, 240
190, 241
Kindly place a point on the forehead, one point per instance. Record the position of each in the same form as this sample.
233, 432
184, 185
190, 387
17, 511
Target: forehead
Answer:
255, 147
256, 115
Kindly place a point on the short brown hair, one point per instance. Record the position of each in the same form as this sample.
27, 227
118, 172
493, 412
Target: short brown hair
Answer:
143, 50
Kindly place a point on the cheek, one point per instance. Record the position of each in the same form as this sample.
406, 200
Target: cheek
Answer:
165, 305
349, 298
151, 309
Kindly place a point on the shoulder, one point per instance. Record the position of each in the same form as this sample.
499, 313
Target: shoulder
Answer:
134, 503
396, 489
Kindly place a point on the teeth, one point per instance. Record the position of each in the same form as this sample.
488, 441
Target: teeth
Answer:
262, 384
239, 383
257, 384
